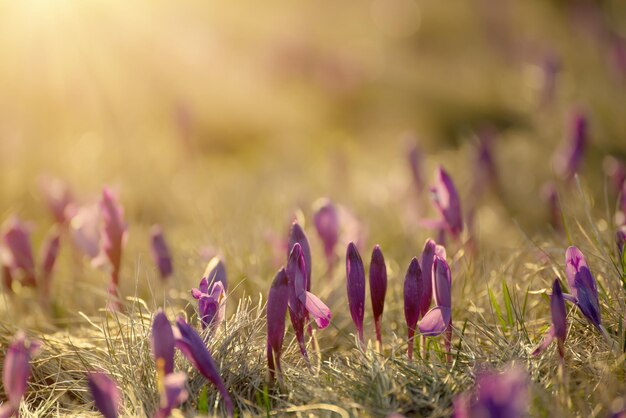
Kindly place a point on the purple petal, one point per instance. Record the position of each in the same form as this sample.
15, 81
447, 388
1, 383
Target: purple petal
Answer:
502, 394
355, 283
620, 239
545, 342
192, 346
442, 283
85, 229
319, 311
415, 159
297, 236
105, 394
215, 272
276, 310
57, 196
173, 395
297, 283
435, 322
426, 265
160, 252
162, 339
196, 293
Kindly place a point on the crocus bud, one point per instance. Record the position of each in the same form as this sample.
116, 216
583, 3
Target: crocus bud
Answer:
113, 233
105, 394
276, 310
216, 272
326, 220
438, 318
484, 167
355, 274
447, 202
583, 286
551, 198
297, 236
49, 253
302, 302
426, 264
17, 368
19, 251
58, 197
620, 239
413, 284
559, 315
192, 346
162, 341
497, 395
378, 288
173, 394
615, 170
568, 161
85, 229
211, 303
160, 252
415, 159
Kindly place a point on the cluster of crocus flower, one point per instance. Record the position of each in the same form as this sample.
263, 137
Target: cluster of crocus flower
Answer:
423, 277
290, 291
16, 372
497, 395
447, 202
19, 262
584, 294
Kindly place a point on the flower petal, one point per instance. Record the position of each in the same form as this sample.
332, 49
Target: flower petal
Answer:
435, 322
319, 311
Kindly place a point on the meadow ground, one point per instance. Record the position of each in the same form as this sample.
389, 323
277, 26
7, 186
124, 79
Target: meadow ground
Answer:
223, 122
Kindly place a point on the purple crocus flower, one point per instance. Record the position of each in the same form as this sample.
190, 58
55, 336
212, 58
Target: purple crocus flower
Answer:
16, 371
276, 310
297, 236
583, 286
112, 237
211, 303
569, 159
85, 230
415, 159
615, 170
550, 196
439, 319
173, 394
498, 395
485, 171
105, 393
19, 251
426, 265
447, 202
160, 252
189, 342
558, 329
413, 284
58, 198
620, 239
216, 272
378, 289
326, 220
163, 344
302, 302
355, 274
49, 253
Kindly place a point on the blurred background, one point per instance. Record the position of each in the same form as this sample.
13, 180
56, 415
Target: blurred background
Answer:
220, 120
